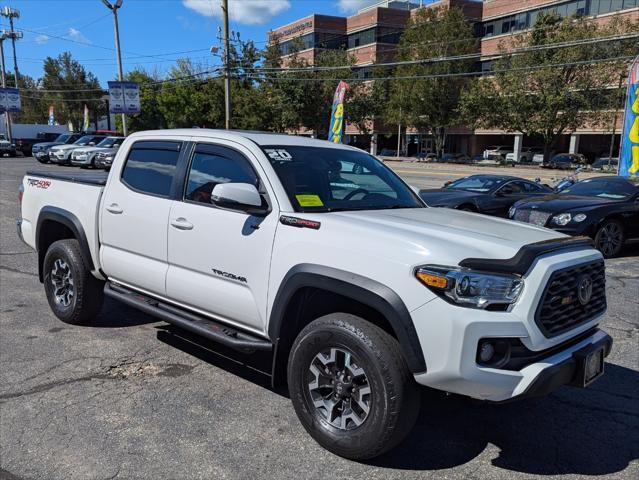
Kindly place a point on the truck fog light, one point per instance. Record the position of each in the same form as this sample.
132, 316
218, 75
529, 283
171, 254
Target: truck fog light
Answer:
486, 352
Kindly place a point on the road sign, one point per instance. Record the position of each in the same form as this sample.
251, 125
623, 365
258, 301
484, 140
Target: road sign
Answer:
10, 100
124, 97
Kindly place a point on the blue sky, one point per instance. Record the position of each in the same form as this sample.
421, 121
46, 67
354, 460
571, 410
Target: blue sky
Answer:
152, 32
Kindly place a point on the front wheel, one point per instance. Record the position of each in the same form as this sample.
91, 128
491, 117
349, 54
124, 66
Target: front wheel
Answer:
74, 294
610, 238
351, 387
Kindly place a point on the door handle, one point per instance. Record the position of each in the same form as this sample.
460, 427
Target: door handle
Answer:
181, 223
114, 208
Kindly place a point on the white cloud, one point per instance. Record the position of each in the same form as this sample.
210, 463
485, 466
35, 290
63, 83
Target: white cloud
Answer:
76, 35
350, 6
249, 12
42, 39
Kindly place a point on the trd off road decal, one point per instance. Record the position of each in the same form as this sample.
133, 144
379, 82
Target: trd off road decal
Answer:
34, 182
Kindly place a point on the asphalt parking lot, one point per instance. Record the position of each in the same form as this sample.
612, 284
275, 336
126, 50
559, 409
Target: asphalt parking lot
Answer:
129, 398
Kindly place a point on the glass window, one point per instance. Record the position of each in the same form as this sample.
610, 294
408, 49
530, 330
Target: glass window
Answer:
212, 165
512, 188
630, 3
603, 7
150, 167
490, 29
328, 179
616, 5
365, 37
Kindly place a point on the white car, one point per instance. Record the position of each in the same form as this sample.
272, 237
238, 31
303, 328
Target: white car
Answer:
85, 157
526, 156
323, 256
61, 154
497, 151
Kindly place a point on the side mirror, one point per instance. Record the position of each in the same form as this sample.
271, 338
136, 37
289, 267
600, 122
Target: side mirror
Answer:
91, 144
117, 145
239, 196
447, 183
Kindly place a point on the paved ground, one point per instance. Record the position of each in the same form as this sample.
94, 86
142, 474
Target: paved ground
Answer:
125, 398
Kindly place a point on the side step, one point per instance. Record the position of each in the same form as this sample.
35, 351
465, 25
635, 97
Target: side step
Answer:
197, 324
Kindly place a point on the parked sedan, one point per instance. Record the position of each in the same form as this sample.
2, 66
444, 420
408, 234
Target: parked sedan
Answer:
566, 161
85, 157
603, 208
61, 154
489, 194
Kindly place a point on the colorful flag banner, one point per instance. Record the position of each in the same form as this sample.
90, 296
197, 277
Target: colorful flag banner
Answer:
336, 128
124, 97
51, 115
85, 124
629, 154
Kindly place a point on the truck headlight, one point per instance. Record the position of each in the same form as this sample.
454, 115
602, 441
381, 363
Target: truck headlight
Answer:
469, 288
562, 219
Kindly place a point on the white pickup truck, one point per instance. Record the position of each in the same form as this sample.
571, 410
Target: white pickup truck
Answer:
323, 256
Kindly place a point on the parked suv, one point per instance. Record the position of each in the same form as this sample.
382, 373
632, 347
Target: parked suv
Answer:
526, 156
85, 156
41, 150
497, 151
61, 154
321, 255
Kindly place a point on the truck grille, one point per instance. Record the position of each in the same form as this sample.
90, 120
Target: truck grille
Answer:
532, 216
565, 303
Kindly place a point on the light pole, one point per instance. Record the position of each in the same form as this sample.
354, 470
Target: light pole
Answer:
114, 8
227, 66
12, 13
7, 116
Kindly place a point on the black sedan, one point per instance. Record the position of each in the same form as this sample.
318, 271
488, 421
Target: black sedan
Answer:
489, 194
603, 208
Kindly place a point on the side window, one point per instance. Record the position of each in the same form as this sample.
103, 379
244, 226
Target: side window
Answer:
511, 188
532, 187
212, 165
150, 167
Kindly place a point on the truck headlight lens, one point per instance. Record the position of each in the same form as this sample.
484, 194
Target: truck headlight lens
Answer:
562, 219
580, 217
469, 288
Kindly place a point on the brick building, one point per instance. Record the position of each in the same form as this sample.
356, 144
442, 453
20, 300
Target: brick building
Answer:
372, 35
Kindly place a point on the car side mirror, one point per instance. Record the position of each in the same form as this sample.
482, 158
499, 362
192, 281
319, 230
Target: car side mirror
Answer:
117, 145
91, 144
447, 183
238, 196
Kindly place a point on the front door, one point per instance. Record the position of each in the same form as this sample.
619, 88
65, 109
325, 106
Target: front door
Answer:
135, 214
219, 258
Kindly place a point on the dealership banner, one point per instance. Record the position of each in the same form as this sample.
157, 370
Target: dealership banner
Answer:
629, 154
51, 115
124, 97
335, 132
10, 100
85, 123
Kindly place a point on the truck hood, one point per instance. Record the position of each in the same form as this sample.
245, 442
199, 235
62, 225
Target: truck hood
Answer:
447, 235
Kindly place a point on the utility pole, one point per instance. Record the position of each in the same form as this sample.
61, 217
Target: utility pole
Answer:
114, 8
7, 115
12, 13
227, 66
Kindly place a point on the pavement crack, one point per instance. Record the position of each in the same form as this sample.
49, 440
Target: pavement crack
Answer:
15, 270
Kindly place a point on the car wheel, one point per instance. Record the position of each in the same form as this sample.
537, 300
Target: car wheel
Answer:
350, 386
610, 238
467, 208
74, 294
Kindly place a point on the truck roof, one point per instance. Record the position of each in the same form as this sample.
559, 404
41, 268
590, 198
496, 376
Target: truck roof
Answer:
260, 138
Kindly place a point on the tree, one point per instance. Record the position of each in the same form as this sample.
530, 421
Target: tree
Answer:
431, 103
35, 107
150, 116
548, 91
75, 88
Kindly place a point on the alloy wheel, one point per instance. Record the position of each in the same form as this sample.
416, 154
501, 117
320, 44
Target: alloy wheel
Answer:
62, 281
339, 388
610, 239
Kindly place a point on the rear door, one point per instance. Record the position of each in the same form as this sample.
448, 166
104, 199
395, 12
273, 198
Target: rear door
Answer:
135, 214
219, 258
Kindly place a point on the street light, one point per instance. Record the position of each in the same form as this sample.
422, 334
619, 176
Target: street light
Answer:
114, 8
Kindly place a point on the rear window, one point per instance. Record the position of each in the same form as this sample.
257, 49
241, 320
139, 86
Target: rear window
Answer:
150, 167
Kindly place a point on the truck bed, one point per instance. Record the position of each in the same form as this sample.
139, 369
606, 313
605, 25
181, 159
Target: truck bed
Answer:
87, 178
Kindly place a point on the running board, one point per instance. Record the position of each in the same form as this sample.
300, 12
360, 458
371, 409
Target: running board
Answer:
194, 323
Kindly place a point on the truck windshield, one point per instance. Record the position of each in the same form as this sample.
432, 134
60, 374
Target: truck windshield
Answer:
318, 179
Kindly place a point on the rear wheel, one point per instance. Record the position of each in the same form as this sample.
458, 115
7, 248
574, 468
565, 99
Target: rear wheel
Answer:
467, 208
610, 238
351, 387
74, 294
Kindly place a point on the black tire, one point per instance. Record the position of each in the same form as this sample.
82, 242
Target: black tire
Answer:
42, 160
467, 208
86, 297
394, 397
610, 238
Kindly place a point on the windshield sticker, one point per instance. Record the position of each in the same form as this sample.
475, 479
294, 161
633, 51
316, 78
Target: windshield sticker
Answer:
309, 200
279, 154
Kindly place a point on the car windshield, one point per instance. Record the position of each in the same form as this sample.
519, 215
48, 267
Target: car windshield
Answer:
84, 140
476, 184
63, 138
318, 179
109, 142
601, 188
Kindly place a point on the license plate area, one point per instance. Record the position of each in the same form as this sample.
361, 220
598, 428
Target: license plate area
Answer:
590, 363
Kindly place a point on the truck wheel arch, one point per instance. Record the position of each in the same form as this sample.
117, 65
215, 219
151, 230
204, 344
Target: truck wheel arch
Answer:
361, 289
72, 228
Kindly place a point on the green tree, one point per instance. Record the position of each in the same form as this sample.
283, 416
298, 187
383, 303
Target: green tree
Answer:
431, 103
548, 91
35, 107
75, 88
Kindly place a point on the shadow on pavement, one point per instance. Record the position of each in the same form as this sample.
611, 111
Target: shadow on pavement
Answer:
117, 315
572, 431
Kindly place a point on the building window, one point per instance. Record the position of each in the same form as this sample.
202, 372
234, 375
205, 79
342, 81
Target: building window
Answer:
365, 37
